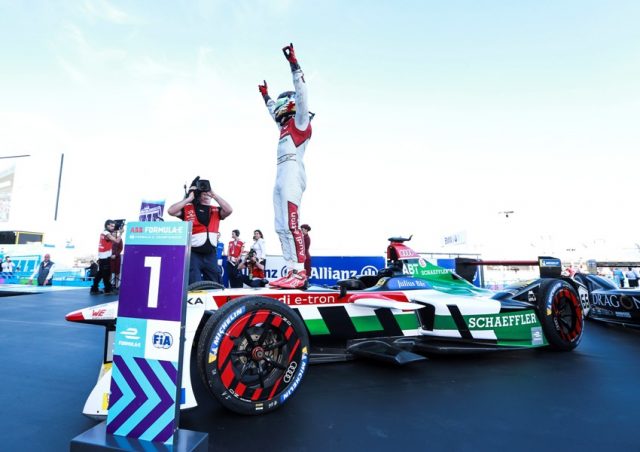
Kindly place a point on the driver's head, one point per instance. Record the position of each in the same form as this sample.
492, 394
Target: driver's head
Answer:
285, 106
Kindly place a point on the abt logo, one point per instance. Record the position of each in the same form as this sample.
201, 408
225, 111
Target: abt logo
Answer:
162, 339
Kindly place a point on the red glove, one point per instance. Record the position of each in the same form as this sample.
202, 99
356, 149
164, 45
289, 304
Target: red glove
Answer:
290, 55
263, 89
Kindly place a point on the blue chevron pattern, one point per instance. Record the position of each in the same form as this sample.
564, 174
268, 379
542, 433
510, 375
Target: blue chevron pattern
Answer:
145, 406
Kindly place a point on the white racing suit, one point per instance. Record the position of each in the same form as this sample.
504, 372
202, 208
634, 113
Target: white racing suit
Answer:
291, 179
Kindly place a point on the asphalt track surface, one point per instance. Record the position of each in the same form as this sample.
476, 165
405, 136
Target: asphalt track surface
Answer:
532, 400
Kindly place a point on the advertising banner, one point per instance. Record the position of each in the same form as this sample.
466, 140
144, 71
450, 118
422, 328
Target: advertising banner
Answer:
145, 387
151, 210
6, 190
329, 269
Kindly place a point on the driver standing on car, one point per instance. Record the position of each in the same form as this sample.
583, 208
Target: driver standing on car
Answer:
196, 207
291, 113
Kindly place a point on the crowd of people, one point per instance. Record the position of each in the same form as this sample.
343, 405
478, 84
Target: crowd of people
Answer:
246, 266
109, 250
245, 263
42, 275
623, 277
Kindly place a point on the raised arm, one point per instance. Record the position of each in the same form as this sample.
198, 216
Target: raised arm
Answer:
225, 207
175, 210
302, 103
270, 103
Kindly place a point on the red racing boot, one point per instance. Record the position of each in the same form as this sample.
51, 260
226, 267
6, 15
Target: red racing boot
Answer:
297, 280
279, 281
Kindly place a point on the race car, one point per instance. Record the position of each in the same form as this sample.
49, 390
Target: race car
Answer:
610, 303
254, 345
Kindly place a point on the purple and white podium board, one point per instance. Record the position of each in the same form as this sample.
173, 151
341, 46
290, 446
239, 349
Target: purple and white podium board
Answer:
145, 384
144, 403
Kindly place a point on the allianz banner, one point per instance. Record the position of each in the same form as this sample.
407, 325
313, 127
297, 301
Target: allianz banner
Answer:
329, 269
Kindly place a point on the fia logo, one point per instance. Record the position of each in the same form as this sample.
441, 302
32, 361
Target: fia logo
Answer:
162, 339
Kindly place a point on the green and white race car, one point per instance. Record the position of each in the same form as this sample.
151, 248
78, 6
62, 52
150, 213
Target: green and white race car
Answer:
254, 345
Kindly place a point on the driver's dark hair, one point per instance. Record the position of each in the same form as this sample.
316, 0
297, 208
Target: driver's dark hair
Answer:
236, 232
108, 222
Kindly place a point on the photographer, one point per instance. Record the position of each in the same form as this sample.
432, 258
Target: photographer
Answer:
255, 267
196, 207
108, 238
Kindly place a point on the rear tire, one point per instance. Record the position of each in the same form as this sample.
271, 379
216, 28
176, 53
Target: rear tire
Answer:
560, 314
204, 285
252, 354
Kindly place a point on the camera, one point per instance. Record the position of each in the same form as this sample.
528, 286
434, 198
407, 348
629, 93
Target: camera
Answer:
119, 224
251, 255
203, 185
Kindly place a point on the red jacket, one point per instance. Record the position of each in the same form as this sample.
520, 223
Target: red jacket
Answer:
199, 230
235, 250
105, 246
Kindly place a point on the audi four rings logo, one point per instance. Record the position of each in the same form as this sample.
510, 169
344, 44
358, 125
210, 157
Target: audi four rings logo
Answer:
290, 371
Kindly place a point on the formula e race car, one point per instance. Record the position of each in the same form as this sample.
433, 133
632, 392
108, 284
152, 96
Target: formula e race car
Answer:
253, 346
610, 303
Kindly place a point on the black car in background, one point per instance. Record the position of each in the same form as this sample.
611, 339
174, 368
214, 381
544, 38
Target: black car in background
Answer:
610, 303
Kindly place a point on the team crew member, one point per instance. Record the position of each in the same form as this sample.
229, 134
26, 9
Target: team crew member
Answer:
105, 252
234, 251
307, 244
44, 272
196, 207
291, 113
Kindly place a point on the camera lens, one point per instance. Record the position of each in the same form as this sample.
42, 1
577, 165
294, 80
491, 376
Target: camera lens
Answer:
204, 185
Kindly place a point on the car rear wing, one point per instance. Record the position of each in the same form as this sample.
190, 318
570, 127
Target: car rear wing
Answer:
550, 267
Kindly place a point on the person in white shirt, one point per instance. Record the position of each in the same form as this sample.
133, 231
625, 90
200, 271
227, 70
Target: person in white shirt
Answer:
8, 266
632, 277
258, 245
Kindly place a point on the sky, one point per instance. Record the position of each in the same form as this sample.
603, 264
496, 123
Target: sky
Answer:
431, 118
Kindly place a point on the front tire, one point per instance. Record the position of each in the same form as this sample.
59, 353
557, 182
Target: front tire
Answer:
252, 354
560, 314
